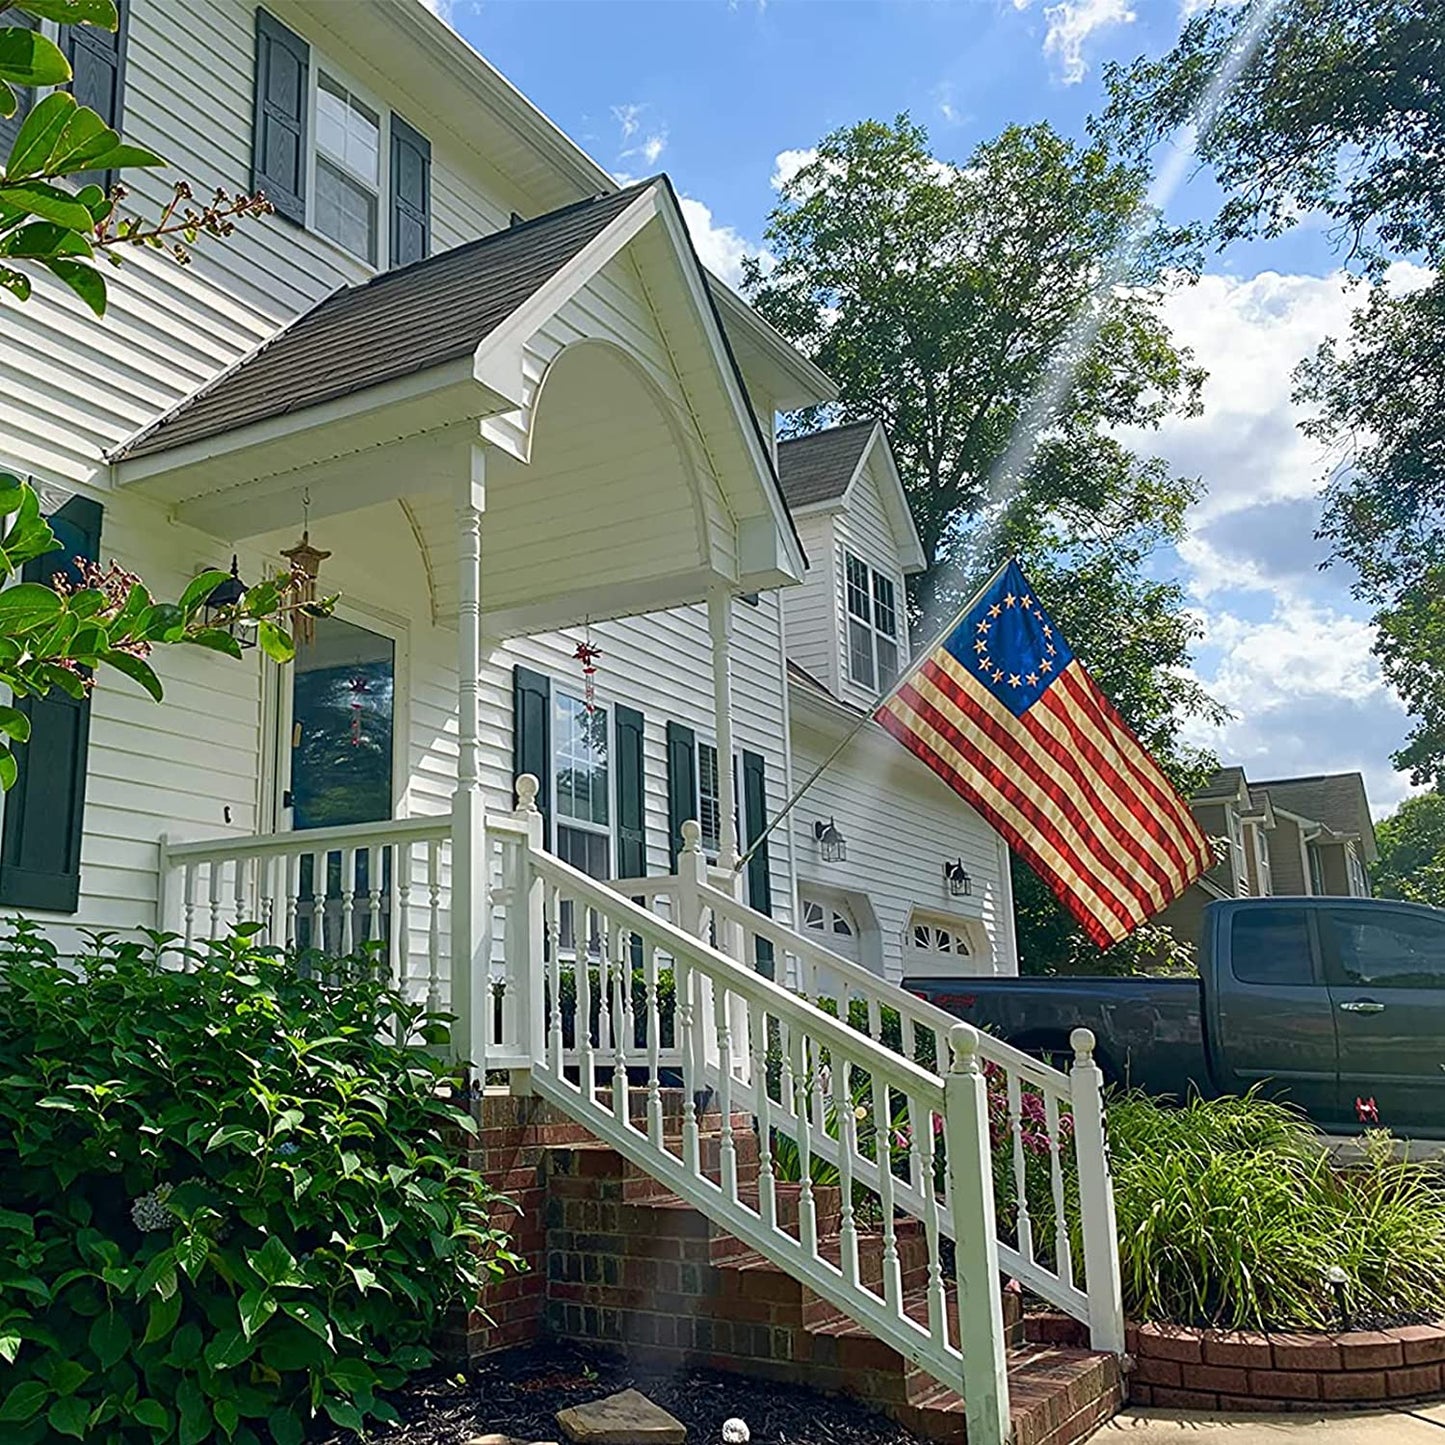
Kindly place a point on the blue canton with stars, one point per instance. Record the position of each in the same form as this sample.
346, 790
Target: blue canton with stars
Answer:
1009, 643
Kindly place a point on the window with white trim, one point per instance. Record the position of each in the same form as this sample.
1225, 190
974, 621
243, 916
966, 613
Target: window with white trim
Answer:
821, 917
930, 935
581, 785
709, 798
348, 168
872, 607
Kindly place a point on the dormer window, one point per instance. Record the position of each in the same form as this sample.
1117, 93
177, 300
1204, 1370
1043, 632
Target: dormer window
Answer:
872, 625
348, 168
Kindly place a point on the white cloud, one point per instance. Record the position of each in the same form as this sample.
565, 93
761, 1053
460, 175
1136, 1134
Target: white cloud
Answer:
1071, 23
720, 248
787, 164
632, 125
628, 118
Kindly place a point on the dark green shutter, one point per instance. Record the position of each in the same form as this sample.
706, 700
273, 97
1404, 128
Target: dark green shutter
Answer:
681, 785
278, 140
755, 818
410, 194
631, 803
24, 94
532, 737
45, 810
97, 64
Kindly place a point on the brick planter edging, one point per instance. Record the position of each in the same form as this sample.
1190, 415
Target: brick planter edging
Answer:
1204, 1369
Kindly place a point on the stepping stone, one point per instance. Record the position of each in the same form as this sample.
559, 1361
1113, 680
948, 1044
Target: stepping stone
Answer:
626, 1419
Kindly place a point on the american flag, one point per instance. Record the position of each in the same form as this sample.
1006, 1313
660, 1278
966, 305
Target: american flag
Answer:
1008, 717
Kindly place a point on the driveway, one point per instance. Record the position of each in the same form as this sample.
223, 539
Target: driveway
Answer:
1421, 1425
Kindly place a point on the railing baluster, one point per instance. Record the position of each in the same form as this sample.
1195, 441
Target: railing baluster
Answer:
375, 874
804, 1061
1016, 1129
1063, 1255
215, 881
189, 910
654, 1046
846, 1122
763, 1110
402, 923
683, 986
239, 899
883, 1155
583, 927
582, 978
615, 946
925, 1142
348, 897
434, 925
319, 885
556, 1043
729, 1160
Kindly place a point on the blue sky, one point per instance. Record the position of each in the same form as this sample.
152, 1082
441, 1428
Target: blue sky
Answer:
720, 95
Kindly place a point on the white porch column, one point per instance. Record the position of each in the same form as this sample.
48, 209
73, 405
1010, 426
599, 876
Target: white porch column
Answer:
471, 913
720, 626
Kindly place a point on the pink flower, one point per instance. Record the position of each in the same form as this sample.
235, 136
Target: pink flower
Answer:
1367, 1111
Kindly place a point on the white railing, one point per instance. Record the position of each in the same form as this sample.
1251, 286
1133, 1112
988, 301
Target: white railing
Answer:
1053, 1197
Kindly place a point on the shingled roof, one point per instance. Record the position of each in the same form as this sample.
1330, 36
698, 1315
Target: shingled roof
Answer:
398, 323
1338, 800
819, 466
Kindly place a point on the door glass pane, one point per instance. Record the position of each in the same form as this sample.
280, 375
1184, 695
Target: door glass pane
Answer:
1390, 950
341, 736
1271, 945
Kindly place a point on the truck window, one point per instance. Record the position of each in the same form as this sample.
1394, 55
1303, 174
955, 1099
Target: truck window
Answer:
1271, 946
1385, 949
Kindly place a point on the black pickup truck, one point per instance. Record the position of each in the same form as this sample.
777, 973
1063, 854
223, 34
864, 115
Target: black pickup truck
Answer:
1322, 1001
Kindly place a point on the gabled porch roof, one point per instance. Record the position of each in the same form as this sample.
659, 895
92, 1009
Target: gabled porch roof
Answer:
583, 348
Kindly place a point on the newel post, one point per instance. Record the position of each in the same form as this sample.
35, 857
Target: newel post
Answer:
975, 1232
470, 895
528, 970
1096, 1199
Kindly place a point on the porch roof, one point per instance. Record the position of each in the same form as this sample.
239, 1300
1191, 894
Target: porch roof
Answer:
395, 325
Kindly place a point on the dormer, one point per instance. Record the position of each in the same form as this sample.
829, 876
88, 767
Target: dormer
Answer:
847, 624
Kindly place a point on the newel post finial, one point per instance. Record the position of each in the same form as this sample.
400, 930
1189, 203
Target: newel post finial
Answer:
963, 1041
1083, 1045
527, 789
692, 836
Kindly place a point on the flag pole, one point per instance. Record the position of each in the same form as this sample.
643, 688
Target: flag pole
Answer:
868, 716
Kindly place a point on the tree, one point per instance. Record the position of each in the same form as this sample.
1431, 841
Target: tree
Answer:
58, 635
1002, 318
1339, 110
1412, 851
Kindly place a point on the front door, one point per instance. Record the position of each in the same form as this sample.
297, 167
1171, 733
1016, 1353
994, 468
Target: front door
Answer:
1387, 983
337, 772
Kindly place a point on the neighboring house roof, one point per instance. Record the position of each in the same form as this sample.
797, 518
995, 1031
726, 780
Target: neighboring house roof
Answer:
396, 324
1336, 800
821, 466
819, 470
1226, 785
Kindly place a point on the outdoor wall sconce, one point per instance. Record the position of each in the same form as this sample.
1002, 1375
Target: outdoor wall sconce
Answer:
960, 885
832, 845
220, 605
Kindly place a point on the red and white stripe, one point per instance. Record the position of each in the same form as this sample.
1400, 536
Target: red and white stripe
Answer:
1067, 784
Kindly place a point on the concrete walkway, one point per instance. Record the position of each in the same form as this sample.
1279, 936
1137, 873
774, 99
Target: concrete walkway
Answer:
1421, 1425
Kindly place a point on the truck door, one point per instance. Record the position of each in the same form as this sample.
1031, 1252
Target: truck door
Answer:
1275, 1026
1386, 968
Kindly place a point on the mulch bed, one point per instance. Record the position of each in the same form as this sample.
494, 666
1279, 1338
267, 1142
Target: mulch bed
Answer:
519, 1392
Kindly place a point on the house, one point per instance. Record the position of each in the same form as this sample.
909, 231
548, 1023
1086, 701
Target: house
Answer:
1287, 836
595, 625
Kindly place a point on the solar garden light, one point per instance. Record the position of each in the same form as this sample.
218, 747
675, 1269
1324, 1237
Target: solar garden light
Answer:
1339, 1282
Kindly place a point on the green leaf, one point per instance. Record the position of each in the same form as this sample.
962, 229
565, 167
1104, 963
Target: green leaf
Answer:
165, 1311
101, 13
43, 240
256, 1307
14, 724
274, 1263
195, 1416
28, 58
50, 203
228, 1416
110, 1338
314, 1319
83, 279
275, 643
68, 1376
153, 1415
343, 1413
8, 101
154, 1275
9, 769
192, 1253
38, 136
69, 1416
24, 1401
249, 1139
9, 1347
216, 640
199, 588
285, 1427
136, 669
29, 606
228, 1349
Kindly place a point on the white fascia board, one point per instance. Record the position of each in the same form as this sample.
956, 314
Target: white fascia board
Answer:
900, 514
810, 386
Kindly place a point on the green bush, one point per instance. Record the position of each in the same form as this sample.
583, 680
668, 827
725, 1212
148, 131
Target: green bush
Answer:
229, 1200
1230, 1214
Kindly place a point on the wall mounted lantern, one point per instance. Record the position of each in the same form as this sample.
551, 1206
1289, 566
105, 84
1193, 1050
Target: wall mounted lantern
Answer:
832, 845
220, 608
960, 885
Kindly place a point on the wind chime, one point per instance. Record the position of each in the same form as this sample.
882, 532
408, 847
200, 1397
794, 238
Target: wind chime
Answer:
587, 655
358, 686
305, 563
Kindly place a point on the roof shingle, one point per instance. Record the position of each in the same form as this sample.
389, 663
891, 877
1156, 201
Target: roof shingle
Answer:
394, 325
819, 466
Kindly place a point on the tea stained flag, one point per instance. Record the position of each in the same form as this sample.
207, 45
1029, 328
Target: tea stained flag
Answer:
1010, 719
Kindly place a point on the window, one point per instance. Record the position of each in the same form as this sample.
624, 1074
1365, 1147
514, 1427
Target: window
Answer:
931, 937
709, 799
827, 918
1388, 949
872, 624
581, 785
1271, 946
348, 168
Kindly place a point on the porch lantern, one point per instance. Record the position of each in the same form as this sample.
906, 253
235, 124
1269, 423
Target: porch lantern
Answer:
832, 845
960, 885
220, 604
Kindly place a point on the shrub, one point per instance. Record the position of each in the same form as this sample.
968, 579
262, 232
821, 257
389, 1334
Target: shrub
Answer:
1231, 1214
228, 1197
